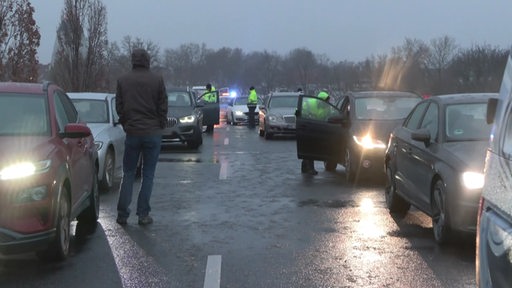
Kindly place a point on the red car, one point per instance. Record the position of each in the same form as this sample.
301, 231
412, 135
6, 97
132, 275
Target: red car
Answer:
47, 172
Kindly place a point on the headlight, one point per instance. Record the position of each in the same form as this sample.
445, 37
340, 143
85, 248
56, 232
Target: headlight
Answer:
473, 180
188, 119
98, 144
24, 169
275, 118
32, 194
239, 113
367, 142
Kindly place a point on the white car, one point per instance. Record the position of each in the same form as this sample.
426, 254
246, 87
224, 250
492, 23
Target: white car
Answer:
237, 110
98, 111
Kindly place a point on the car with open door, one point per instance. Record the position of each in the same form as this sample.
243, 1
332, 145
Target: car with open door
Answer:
356, 131
211, 110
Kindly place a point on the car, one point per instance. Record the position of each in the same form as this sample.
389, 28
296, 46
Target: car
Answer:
276, 116
224, 103
48, 175
237, 112
494, 226
211, 110
355, 135
435, 160
185, 119
98, 110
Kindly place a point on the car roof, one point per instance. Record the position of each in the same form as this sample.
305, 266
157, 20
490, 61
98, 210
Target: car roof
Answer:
463, 98
285, 94
90, 95
363, 94
31, 88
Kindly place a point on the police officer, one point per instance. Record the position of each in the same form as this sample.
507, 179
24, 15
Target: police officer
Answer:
252, 101
308, 165
209, 97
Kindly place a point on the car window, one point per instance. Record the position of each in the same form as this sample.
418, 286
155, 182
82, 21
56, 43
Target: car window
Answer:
179, 99
507, 137
92, 111
431, 121
414, 118
240, 101
466, 122
283, 102
24, 115
317, 109
65, 110
384, 108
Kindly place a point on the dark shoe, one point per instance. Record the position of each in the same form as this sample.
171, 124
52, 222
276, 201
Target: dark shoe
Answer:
122, 220
312, 172
145, 220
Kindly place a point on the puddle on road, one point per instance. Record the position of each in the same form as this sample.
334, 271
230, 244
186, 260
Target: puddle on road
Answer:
328, 203
180, 160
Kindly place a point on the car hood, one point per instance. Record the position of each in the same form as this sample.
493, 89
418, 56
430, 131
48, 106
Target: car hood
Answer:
471, 153
378, 129
179, 112
281, 111
24, 148
241, 108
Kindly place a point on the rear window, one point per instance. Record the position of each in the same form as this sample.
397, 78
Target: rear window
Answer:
467, 122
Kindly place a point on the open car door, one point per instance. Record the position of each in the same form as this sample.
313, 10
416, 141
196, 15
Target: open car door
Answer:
211, 110
318, 137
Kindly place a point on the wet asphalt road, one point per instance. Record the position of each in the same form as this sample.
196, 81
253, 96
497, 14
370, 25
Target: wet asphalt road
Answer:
238, 213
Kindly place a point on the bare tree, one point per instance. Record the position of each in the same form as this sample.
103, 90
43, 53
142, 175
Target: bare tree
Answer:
81, 46
442, 51
19, 40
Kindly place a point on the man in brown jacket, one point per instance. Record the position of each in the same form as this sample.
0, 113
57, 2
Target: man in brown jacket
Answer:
141, 102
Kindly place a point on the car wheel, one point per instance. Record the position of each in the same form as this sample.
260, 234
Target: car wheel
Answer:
196, 141
350, 167
58, 248
440, 216
88, 219
330, 165
108, 171
396, 204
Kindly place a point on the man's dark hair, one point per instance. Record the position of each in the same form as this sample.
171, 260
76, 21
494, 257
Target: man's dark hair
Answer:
208, 86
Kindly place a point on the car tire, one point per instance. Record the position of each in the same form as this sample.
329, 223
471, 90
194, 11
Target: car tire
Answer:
350, 166
196, 141
440, 216
107, 181
330, 165
395, 203
58, 249
88, 218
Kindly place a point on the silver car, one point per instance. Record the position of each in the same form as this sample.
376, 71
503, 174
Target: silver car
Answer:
237, 111
98, 111
277, 114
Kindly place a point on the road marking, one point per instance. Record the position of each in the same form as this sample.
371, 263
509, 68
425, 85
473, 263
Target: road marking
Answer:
223, 173
212, 275
226, 141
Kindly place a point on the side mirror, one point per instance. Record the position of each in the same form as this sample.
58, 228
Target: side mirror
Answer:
492, 105
422, 135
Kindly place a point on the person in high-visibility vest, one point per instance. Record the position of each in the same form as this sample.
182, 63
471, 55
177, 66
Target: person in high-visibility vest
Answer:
252, 102
316, 112
209, 97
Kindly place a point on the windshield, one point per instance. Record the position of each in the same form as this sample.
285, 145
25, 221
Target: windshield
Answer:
283, 102
384, 108
179, 99
466, 122
24, 114
241, 101
92, 111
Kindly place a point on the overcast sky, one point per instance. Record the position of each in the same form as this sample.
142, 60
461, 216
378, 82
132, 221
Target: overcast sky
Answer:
341, 29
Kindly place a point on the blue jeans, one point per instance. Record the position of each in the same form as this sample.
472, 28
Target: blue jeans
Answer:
134, 146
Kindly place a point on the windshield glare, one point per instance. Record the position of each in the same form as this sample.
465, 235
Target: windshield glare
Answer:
22, 114
384, 108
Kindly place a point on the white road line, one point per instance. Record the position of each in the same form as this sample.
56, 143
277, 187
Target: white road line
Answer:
212, 275
226, 141
223, 173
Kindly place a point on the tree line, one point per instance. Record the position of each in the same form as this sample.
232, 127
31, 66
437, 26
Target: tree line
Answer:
85, 60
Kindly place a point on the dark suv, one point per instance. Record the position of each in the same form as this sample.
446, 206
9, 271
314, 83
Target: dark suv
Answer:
185, 119
355, 133
47, 171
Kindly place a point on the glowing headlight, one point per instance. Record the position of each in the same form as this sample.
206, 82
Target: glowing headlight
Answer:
473, 180
367, 142
24, 169
239, 113
188, 119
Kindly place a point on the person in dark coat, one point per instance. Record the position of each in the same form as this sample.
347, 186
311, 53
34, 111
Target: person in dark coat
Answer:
141, 103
